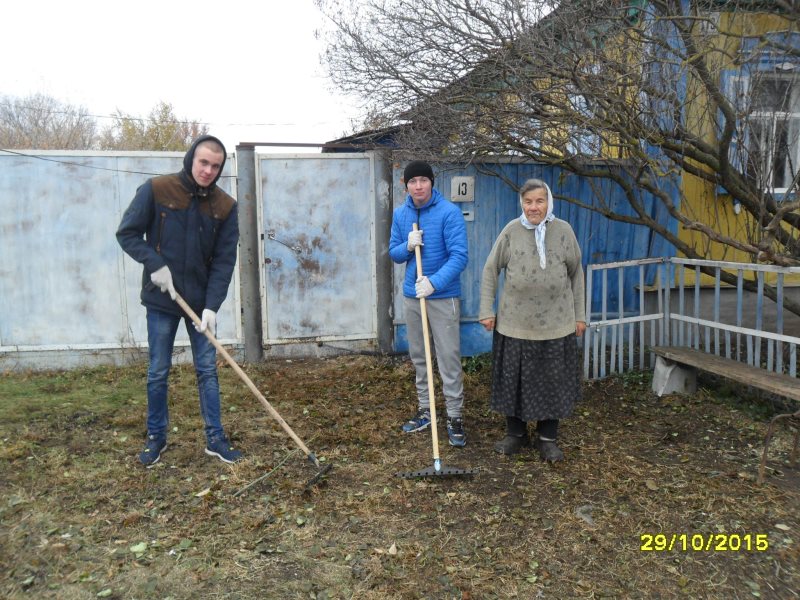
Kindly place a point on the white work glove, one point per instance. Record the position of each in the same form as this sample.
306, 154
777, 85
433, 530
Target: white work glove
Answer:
163, 279
414, 239
207, 321
423, 287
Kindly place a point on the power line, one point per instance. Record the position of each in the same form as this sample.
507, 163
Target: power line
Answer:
85, 166
77, 113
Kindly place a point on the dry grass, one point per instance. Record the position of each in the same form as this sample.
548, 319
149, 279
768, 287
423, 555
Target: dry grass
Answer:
79, 518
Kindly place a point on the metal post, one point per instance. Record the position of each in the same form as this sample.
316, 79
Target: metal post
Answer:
668, 279
249, 256
587, 335
383, 264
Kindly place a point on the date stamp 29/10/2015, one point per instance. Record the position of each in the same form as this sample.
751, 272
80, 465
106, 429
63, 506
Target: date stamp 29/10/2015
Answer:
703, 542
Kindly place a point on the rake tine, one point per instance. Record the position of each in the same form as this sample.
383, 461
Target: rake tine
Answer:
441, 472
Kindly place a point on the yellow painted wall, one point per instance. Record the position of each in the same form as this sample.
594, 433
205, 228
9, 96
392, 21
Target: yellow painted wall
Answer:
700, 199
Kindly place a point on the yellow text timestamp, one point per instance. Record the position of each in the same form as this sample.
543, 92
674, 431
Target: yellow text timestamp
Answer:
703, 542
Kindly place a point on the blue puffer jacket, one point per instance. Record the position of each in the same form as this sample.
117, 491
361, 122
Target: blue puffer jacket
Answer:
444, 253
192, 230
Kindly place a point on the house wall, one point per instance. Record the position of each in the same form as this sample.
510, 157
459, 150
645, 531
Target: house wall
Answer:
497, 202
704, 201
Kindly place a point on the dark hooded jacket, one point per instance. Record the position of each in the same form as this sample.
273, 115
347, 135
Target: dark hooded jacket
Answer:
193, 230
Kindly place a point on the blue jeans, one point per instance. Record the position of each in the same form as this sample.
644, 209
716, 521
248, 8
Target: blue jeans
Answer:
161, 330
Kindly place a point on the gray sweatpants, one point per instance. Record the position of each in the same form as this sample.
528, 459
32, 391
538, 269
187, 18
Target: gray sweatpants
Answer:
444, 315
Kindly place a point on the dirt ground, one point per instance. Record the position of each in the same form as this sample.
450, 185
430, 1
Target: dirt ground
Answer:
80, 518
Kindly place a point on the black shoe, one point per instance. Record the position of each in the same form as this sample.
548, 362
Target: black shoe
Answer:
455, 432
549, 450
223, 450
512, 444
152, 450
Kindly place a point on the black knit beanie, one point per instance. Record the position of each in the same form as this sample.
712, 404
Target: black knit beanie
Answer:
417, 168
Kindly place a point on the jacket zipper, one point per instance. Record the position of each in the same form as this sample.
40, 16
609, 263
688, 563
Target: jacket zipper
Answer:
160, 231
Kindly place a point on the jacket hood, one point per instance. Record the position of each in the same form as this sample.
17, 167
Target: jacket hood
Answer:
188, 159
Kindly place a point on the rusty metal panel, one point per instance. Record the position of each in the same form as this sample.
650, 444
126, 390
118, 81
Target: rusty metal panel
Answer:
64, 282
318, 220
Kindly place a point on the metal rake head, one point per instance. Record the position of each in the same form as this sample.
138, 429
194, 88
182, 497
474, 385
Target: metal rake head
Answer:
320, 474
441, 472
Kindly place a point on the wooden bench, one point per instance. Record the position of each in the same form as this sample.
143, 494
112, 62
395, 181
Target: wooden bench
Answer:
671, 375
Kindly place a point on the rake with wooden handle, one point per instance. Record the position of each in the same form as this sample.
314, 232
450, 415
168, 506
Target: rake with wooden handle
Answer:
243, 376
437, 470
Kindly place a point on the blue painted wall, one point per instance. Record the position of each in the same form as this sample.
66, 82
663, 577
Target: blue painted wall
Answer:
496, 203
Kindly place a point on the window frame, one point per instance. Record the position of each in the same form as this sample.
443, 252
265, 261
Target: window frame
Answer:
768, 130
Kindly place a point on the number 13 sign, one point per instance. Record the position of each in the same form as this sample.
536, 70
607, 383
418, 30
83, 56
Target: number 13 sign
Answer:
462, 189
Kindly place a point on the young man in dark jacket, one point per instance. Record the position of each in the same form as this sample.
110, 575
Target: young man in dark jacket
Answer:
184, 230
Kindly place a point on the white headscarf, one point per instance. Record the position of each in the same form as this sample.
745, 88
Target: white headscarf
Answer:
541, 228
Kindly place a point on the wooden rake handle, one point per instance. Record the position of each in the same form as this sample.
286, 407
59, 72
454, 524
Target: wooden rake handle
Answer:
243, 376
428, 360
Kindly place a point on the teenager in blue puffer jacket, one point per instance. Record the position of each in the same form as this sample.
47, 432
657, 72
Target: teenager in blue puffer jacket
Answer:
184, 230
442, 238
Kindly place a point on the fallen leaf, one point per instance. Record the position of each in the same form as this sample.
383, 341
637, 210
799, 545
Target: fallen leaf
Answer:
782, 527
185, 544
202, 493
393, 549
585, 513
139, 548
131, 519
651, 485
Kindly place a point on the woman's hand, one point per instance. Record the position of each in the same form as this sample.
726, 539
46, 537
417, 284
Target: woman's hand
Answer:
488, 324
580, 327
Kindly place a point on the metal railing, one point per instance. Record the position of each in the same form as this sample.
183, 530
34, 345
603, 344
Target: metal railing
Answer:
742, 319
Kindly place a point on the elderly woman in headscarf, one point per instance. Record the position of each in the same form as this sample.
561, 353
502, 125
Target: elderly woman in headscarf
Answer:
535, 361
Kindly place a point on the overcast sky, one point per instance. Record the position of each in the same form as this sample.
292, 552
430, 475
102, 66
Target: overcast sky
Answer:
249, 69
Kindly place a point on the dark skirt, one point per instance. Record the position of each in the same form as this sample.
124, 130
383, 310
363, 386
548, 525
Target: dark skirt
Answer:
535, 380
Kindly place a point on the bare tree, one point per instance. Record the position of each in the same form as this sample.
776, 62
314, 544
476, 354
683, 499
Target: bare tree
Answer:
41, 122
673, 96
160, 130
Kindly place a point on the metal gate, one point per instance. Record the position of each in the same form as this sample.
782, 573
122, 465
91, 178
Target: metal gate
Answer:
318, 247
